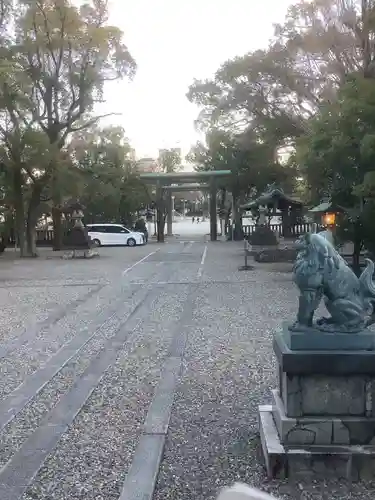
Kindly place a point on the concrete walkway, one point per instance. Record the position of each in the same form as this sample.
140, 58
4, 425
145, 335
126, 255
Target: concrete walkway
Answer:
137, 375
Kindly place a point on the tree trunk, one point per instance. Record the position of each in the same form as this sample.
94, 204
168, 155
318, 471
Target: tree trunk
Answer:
32, 219
56, 206
237, 218
366, 44
31, 239
20, 226
160, 226
31, 228
19, 212
57, 228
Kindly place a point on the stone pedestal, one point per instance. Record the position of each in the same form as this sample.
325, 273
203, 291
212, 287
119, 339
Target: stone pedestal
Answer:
321, 420
263, 236
77, 244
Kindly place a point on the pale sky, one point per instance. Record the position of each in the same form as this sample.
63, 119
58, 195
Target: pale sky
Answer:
173, 42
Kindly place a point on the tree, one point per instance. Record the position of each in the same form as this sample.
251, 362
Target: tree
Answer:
107, 182
170, 160
251, 162
275, 92
338, 157
58, 61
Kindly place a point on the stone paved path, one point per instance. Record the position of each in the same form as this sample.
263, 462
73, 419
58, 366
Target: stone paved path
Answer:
142, 356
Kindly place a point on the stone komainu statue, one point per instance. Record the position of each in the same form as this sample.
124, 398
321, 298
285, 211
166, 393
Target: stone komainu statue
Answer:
319, 271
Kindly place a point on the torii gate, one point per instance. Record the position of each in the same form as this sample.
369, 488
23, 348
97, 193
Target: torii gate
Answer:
172, 182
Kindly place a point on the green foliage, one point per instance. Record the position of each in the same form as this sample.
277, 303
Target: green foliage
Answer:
251, 162
337, 157
276, 91
55, 59
339, 151
108, 185
66, 54
170, 160
312, 89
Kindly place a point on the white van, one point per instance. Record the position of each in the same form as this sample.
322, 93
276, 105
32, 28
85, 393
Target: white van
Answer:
114, 234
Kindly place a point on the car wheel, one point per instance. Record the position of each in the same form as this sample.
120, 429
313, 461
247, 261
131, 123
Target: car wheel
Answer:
96, 242
131, 242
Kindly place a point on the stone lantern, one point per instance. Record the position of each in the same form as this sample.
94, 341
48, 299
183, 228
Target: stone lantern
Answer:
77, 242
77, 215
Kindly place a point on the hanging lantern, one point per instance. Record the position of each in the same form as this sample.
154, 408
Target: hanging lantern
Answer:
329, 219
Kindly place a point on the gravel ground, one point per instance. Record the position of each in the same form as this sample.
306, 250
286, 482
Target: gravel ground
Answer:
15, 433
229, 370
32, 355
50, 266
23, 306
38, 346
93, 457
32, 290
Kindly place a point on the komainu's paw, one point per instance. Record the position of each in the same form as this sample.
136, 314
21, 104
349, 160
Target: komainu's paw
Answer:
324, 321
299, 327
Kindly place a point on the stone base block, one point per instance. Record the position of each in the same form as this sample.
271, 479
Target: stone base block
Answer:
325, 395
327, 362
318, 461
81, 254
273, 451
276, 255
321, 430
325, 383
302, 431
315, 340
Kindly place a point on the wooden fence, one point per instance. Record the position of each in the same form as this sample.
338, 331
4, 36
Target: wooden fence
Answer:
296, 230
44, 238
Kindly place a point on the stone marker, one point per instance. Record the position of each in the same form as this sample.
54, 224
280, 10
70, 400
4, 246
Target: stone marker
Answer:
322, 418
